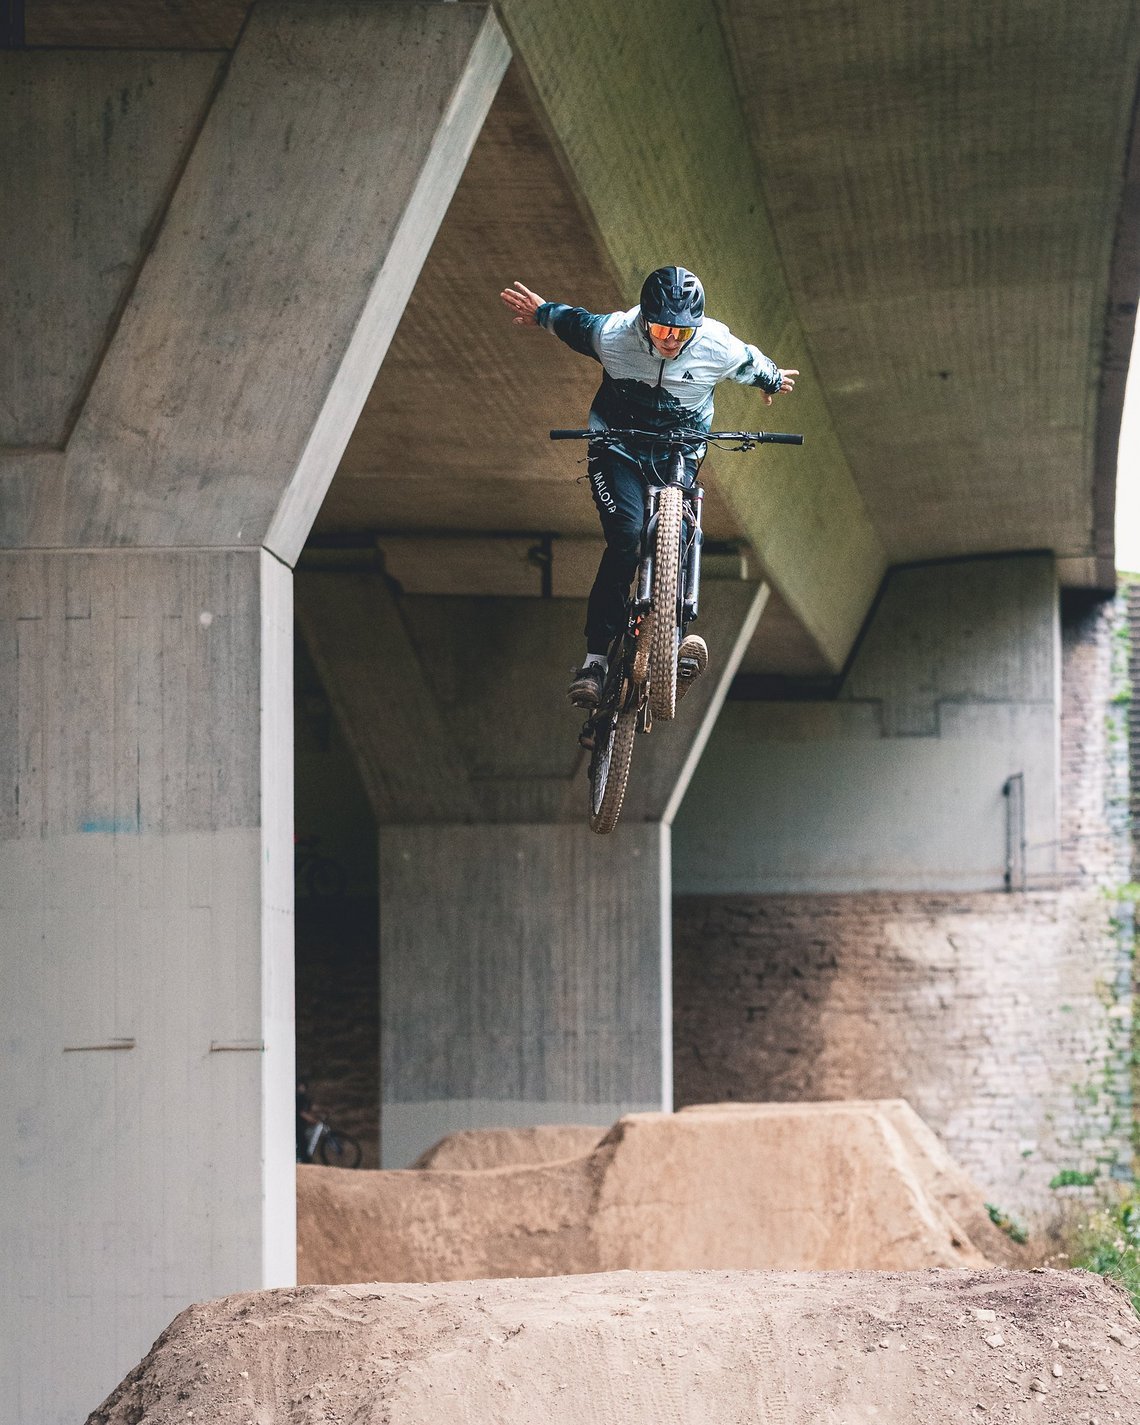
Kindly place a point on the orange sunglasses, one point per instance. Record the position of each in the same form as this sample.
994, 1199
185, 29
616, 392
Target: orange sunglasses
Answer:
665, 333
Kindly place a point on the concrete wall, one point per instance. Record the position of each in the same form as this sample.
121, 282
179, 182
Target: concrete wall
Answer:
1005, 1020
896, 784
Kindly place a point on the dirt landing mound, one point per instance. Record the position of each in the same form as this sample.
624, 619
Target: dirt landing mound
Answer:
778, 1186
477, 1148
831, 1349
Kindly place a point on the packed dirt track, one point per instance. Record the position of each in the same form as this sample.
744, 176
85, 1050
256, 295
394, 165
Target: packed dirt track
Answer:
938, 1347
816, 1187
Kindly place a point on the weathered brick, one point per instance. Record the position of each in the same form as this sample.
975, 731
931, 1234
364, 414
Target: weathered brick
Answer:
1002, 1018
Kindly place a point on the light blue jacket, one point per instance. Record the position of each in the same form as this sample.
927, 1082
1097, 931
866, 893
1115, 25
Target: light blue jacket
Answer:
645, 391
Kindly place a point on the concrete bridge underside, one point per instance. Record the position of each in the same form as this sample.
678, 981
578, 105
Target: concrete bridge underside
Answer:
251, 257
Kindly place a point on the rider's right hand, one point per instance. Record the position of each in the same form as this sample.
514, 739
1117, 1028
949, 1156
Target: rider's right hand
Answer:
524, 303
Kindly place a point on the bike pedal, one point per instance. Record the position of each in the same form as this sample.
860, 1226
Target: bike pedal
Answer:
586, 737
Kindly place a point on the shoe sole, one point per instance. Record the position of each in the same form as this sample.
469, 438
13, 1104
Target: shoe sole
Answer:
688, 671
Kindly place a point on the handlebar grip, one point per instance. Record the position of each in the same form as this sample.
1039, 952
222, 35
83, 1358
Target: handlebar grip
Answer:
570, 434
777, 438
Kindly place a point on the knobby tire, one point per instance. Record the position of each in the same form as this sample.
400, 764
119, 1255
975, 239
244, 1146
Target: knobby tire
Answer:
666, 574
609, 773
644, 650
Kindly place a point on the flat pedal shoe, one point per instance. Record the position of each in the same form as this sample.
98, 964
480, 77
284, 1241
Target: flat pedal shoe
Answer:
692, 660
585, 688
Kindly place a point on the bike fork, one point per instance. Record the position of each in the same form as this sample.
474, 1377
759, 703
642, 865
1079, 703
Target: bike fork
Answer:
692, 575
645, 570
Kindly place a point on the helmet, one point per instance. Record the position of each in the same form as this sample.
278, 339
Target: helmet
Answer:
673, 297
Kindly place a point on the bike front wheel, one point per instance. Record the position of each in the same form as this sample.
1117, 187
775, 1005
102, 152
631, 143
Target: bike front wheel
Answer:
666, 578
338, 1150
609, 770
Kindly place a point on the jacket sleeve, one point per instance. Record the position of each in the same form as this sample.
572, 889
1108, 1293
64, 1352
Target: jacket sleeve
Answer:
748, 365
573, 325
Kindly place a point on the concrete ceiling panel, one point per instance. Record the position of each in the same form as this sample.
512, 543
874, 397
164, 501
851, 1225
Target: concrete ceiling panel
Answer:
135, 24
946, 184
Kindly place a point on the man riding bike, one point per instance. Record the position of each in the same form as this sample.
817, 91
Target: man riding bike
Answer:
661, 362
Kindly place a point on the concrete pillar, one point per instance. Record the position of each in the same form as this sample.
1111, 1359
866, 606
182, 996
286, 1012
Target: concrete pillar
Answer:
232, 278
525, 962
146, 892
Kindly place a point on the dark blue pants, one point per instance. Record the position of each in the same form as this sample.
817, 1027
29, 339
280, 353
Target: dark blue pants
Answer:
618, 488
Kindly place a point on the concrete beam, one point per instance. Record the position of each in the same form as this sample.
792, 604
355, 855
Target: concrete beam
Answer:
666, 175
455, 707
109, 133
387, 712
291, 243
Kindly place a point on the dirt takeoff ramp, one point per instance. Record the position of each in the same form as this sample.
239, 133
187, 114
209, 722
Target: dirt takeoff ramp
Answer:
814, 1187
702, 1348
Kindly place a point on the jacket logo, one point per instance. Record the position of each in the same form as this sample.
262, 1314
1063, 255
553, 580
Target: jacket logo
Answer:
686, 376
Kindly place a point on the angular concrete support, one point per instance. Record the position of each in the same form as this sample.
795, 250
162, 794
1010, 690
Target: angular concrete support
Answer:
525, 962
146, 865
230, 316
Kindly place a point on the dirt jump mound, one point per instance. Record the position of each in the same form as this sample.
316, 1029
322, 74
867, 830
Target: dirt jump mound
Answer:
685, 1348
775, 1186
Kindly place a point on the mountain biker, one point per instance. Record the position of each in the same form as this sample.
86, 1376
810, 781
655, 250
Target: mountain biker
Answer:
661, 362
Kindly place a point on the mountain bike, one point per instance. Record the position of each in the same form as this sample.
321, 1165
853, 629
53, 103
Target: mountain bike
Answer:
641, 681
322, 1144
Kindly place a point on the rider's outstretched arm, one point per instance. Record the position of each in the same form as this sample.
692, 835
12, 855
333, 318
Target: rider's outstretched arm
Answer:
748, 365
573, 325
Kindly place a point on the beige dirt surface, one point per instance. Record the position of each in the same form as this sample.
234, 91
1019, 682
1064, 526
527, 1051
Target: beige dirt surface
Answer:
839, 1186
476, 1148
939, 1347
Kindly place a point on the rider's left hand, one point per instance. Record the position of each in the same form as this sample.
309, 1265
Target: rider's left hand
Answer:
787, 385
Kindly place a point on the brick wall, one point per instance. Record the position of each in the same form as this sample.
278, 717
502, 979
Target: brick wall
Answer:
1003, 1018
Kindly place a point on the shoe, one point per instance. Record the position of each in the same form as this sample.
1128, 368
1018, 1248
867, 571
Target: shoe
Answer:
692, 660
585, 688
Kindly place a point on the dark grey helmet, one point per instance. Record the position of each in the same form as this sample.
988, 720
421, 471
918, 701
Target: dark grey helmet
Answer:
673, 297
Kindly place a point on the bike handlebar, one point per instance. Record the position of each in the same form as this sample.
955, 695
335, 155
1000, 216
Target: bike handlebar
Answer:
680, 438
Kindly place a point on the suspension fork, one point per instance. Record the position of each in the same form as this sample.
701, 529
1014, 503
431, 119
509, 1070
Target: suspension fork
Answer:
649, 542
694, 501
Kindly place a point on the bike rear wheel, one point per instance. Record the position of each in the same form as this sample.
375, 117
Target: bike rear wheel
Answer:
666, 628
609, 770
338, 1150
